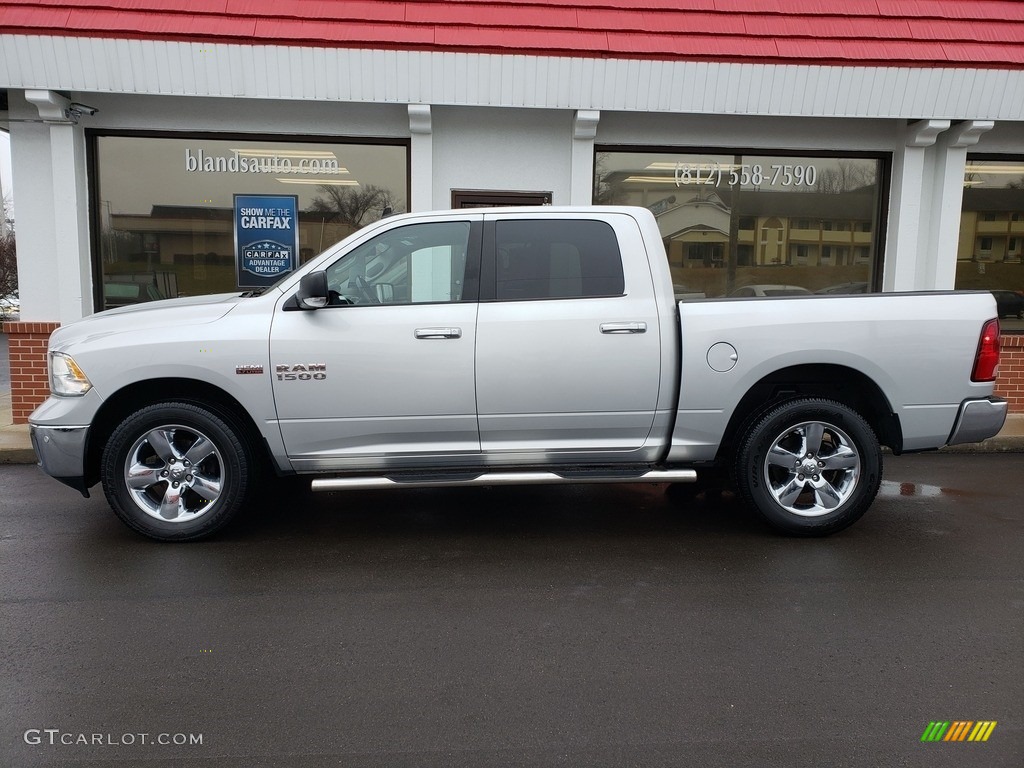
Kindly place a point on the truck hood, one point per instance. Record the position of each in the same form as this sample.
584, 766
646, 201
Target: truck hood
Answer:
191, 310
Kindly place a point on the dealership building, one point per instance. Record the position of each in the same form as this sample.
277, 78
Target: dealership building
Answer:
841, 148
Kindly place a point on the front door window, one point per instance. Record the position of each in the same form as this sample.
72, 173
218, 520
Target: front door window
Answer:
418, 264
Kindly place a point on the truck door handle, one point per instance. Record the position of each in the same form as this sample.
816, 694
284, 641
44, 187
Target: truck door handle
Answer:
438, 333
623, 327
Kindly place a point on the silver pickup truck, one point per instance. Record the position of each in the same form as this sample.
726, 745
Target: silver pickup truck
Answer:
518, 345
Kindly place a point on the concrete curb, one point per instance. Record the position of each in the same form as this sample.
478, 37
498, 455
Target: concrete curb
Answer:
997, 444
15, 445
17, 456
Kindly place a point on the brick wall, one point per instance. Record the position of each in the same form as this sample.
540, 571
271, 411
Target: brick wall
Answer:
1010, 383
27, 350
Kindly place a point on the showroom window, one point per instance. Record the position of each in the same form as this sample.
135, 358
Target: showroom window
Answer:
989, 254
184, 216
766, 224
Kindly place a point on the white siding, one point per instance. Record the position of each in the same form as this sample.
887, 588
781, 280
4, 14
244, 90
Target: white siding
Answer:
339, 74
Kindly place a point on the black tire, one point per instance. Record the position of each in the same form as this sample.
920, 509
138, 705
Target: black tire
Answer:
810, 467
176, 471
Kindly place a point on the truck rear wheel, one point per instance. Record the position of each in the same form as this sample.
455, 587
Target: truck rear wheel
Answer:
176, 471
811, 467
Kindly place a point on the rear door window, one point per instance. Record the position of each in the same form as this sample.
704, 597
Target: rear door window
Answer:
555, 259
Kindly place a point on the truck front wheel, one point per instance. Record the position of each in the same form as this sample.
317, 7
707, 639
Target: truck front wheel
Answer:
176, 471
811, 467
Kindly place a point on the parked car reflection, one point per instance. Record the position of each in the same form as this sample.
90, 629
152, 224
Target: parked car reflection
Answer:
841, 288
751, 291
1009, 303
121, 294
685, 293
10, 307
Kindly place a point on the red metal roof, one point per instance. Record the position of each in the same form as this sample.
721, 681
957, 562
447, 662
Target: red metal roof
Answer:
987, 33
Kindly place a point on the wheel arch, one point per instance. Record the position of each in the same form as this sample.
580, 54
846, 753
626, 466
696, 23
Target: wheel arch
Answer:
140, 394
833, 382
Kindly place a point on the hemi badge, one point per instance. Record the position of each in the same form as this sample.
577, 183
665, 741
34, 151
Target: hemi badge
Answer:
244, 369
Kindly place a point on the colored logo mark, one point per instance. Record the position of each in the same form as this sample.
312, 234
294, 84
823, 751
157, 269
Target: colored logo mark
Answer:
958, 730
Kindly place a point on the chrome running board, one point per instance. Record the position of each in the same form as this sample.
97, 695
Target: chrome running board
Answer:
501, 478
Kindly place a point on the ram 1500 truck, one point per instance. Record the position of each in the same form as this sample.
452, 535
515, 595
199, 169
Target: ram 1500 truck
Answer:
516, 345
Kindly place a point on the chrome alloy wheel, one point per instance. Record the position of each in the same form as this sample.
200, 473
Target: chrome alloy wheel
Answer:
812, 468
174, 473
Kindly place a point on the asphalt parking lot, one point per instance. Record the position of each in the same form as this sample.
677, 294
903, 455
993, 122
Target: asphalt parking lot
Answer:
569, 626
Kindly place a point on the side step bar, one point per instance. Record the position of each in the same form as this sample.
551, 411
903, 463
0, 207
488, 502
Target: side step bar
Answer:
501, 478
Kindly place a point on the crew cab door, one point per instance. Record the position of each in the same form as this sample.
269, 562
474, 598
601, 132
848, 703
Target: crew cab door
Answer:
568, 339
383, 375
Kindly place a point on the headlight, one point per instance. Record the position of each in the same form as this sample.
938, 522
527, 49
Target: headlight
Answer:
66, 378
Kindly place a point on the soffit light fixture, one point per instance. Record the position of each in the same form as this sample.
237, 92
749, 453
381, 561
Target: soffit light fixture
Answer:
651, 179
1011, 170
322, 182
291, 154
708, 166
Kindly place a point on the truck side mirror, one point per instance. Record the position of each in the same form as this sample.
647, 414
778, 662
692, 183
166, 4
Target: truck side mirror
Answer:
312, 293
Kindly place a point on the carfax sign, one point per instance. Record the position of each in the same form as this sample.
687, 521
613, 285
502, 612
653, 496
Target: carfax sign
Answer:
266, 238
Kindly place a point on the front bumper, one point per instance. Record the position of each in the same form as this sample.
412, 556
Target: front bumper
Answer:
978, 420
61, 453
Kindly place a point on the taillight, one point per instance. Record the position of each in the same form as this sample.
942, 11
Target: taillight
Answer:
986, 362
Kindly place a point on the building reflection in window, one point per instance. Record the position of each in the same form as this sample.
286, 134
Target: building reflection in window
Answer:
769, 225
991, 244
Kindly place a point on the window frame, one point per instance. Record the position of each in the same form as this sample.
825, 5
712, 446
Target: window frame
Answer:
464, 199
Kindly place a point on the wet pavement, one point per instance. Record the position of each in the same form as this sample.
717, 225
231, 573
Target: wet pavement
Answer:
569, 626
